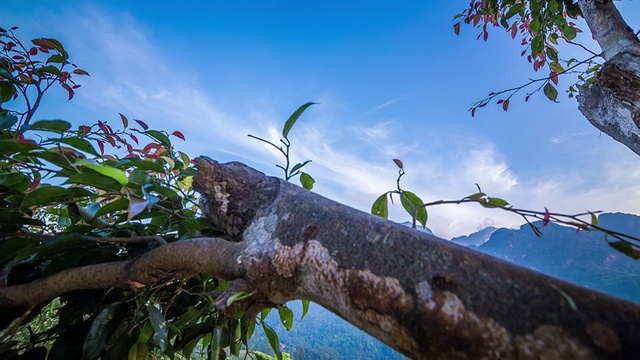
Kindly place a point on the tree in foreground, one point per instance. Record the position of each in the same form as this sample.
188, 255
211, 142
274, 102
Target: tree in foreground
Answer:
108, 253
608, 82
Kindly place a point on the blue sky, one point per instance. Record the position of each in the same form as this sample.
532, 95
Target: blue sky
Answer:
392, 80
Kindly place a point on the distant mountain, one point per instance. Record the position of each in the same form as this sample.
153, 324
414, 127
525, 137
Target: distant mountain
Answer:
583, 257
477, 238
419, 227
322, 335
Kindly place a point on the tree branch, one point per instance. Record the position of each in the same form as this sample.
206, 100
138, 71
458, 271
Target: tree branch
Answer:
209, 255
423, 296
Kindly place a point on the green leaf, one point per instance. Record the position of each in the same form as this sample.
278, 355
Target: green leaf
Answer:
80, 144
305, 308
48, 69
47, 195
551, 92
56, 58
240, 295
139, 164
626, 249
494, 202
293, 118
476, 196
102, 327
299, 166
552, 54
95, 180
160, 330
248, 326
380, 207
57, 126
537, 44
139, 351
162, 138
555, 66
7, 120
235, 338
116, 205
286, 317
116, 174
7, 90
594, 219
216, 347
307, 181
569, 32
274, 341
185, 159
12, 146
409, 201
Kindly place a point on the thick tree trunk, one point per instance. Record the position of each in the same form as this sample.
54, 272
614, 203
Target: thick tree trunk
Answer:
612, 102
423, 296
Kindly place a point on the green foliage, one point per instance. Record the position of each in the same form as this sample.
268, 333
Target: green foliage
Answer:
539, 25
290, 172
89, 194
411, 203
628, 245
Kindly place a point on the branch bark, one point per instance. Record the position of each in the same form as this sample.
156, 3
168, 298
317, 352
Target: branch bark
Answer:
423, 296
210, 255
612, 102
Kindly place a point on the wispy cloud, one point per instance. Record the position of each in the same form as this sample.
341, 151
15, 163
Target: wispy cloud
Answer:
351, 162
384, 105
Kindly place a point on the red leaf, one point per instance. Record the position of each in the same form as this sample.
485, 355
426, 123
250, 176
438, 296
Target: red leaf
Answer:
178, 134
111, 141
456, 28
110, 129
526, 98
473, 112
34, 184
485, 36
499, 101
80, 72
44, 43
545, 219
142, 124
102, 127
75, 86
505, 105
554, 77
44, 50
161, 150
483, 105
134, 138
125, 121
398, 163
33, 51
101, 145
69, 90
149, 147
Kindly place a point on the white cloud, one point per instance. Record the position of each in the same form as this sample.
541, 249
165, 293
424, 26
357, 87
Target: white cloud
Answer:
132, 76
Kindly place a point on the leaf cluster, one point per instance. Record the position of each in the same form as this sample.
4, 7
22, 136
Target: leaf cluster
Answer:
105, 192
540, 26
